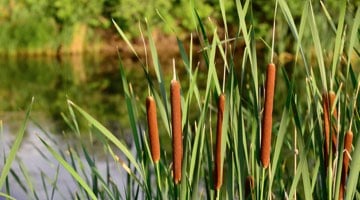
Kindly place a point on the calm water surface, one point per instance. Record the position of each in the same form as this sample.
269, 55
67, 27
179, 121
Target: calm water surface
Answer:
91, 82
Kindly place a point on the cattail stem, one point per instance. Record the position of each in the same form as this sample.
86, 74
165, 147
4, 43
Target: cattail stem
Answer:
218, 162
176, 129
249, 186
328, 102
267, 118
153, 129
346, 160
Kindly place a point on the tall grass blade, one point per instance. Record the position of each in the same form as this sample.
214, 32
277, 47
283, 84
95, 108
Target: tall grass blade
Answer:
131, 110
104, 131
318, 48
158, 72
285, 119
70, 169
7, 196
338, 42
15, 147
354, 35
29, 183
122, 34
290, 20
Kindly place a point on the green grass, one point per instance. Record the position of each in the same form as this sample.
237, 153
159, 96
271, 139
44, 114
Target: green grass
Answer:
297, 169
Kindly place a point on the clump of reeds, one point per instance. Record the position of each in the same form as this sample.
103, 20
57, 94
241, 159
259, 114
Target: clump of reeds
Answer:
346, 160
328, 102
176, 128
153, 128
218, 165
267, 118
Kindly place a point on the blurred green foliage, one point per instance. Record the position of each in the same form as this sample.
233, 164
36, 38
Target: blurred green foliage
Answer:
42, 26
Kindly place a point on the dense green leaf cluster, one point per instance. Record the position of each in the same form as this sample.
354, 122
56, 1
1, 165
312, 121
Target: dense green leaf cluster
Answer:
38, 27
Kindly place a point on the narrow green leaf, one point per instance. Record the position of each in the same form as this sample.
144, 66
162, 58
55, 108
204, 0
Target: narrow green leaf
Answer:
122, 34
107, 134
15, 147
318, 48
69, 169
7, 196
354, 36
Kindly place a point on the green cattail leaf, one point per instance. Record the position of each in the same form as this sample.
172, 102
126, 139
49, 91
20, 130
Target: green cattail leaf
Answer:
290, 20
7, 196
318, 48
122, 34
107, 134
354, 36
15, 147
70, 169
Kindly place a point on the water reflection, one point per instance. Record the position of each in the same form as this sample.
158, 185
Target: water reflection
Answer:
78, 68
35, 160
92, 82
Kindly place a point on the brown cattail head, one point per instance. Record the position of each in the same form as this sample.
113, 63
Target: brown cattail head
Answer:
328, 103
347, 148
176, 129
346, 160
153, 129
249, 185
218, 164
267, 118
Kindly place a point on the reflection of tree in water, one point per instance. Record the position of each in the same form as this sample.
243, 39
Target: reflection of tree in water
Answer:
77, 65
91, 82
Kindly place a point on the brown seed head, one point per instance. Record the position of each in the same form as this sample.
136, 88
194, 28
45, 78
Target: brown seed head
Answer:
347, 148
328, 103
176, 129
267, 117
346, 160
218, 163
153, 129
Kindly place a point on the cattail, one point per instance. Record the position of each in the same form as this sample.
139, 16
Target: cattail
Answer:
346, 159
176, 129
218, 164
249, 185
267, 118
153, 129
328, 102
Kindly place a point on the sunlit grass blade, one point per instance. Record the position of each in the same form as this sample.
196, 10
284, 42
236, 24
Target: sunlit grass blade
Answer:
28, 180
131, 109
250, 43
354, 35
122, 34
318, 48
285, 119
158, 71
108, 135
70, 169
103, 183
338, 41
18, 180
290, 20
7, 196
43, 182
15, 147
55, 182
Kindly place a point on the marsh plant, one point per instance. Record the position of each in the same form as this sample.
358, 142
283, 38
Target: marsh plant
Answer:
285, 131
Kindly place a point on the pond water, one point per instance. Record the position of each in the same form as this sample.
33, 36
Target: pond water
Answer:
89, 81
